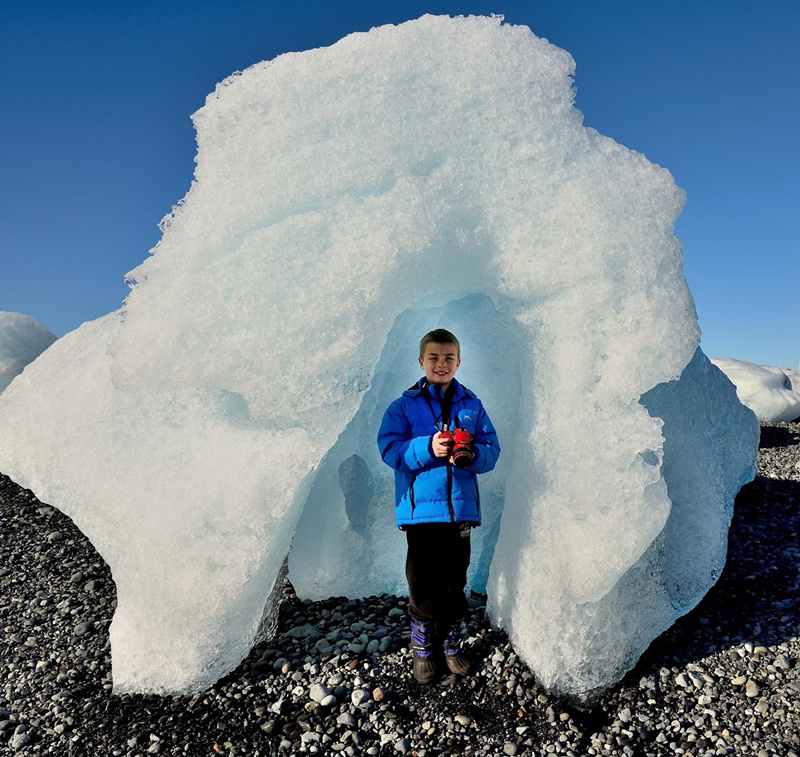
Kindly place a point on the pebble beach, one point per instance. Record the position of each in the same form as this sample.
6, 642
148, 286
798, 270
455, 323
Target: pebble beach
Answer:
335, 677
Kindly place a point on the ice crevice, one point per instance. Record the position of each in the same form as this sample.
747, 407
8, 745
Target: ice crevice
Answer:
232, 412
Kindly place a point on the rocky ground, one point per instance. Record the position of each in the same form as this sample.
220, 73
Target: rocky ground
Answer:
335, 679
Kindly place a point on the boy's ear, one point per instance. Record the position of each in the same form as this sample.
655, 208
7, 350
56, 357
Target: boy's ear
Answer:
421, 364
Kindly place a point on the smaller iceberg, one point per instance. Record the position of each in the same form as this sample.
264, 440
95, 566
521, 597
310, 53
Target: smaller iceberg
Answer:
22, 340
794, 377
769, 392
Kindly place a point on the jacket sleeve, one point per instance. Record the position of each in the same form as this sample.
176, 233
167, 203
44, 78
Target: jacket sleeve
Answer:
398, 448
487, 447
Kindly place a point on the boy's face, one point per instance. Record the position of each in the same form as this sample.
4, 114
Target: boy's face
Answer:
440, 363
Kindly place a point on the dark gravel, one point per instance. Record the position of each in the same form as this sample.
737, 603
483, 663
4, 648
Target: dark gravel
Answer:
723, 680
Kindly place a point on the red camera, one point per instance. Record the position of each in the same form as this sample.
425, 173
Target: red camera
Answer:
463, 443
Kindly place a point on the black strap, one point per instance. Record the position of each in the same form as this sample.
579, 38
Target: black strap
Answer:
441, 421
447, 402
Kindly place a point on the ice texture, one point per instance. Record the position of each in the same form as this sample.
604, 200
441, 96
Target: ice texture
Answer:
581, 625
768, 391
346, 200
22, 340
794, 378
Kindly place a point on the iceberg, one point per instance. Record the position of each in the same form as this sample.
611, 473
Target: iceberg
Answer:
794, 378
22, 340
346, 200
768, 391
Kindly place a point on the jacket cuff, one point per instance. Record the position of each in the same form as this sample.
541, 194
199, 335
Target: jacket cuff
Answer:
478, 459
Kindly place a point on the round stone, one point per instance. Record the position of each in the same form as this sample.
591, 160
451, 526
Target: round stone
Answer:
82, 629
360, 698
318, 692
347, 719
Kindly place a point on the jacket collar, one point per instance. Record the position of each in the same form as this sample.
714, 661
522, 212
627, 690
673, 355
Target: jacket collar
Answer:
458, 390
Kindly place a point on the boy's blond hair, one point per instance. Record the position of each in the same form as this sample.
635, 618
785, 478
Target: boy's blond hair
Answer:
439, 336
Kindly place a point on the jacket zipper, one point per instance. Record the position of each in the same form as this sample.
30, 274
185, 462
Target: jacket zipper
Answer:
477, 494
411, 494
450, 492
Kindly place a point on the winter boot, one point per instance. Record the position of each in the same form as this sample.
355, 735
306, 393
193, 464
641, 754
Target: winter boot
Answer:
422, 649
456, 660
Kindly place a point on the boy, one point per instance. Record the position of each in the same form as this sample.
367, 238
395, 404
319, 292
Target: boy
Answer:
436, 496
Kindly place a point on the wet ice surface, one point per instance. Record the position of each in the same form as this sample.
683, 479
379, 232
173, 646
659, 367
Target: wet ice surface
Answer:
689, 690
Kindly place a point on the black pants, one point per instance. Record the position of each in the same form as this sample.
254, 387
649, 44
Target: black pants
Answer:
436, 569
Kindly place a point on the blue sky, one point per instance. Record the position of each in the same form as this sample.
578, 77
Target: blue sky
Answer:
96, 141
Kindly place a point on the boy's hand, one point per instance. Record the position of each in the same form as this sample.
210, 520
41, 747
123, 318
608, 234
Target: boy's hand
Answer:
441, 447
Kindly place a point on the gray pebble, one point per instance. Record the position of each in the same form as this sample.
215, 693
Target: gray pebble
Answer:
84, 628
19, 741
318, 692
347, 719
783, 662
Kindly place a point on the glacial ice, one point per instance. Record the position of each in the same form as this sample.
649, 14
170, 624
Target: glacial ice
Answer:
794, 378
768, 391
22, 340
346, 200
595, 627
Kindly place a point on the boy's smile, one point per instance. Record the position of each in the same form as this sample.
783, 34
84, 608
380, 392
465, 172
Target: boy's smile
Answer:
440, 363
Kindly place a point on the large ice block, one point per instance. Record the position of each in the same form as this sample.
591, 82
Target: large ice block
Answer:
582, 625
346, 200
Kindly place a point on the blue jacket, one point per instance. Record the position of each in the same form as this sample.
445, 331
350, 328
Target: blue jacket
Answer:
428, 489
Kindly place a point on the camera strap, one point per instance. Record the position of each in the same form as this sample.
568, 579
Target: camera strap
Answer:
441, 421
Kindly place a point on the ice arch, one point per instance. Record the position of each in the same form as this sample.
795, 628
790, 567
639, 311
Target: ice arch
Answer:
341, 196
330, 553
